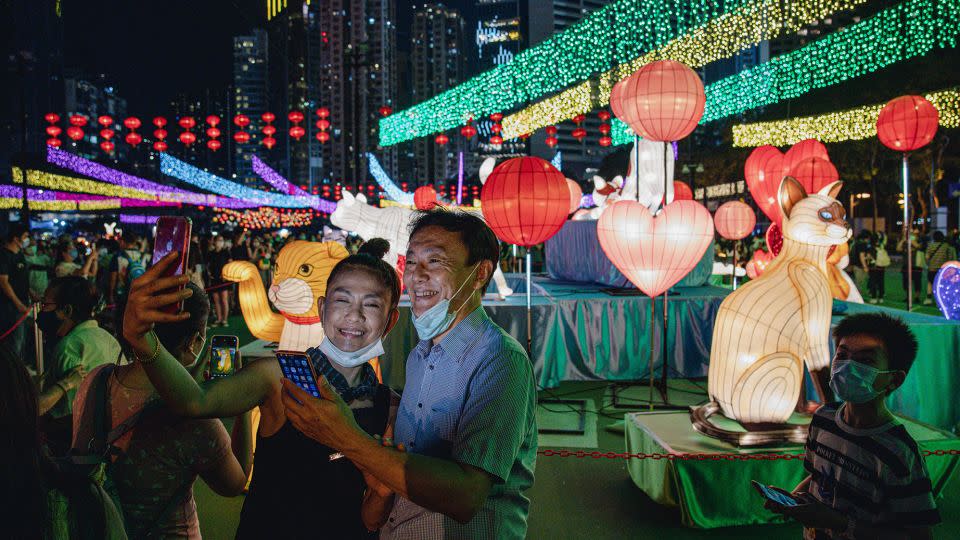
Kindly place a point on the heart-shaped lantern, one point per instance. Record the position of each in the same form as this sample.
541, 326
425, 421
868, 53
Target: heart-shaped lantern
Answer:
946, 289
763, 172
805, 149
655, 252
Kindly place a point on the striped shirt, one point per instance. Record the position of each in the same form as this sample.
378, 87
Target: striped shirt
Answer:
876, 475
471, 399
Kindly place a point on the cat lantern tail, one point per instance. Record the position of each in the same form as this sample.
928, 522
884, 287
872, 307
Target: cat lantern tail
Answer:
767, 329
300, 279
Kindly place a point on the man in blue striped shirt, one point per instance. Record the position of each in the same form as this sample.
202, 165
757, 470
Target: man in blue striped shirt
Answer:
466, 418
867, 477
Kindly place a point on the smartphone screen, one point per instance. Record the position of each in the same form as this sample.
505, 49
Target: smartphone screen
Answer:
223, 356
173, 234
775, 495
297, 367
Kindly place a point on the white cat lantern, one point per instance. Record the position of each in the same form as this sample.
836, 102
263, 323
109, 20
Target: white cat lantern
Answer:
649, 161
767, 329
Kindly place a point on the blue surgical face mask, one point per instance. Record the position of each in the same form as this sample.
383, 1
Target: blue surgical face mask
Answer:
74, 254
437, 319
351, 359
853, 381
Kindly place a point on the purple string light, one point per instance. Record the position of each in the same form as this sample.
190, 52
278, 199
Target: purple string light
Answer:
276, 180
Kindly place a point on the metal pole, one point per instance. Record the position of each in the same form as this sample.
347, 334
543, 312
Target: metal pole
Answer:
529, 314
37, 340
636, 163
906, 231
653, 336
736, 246
663, 350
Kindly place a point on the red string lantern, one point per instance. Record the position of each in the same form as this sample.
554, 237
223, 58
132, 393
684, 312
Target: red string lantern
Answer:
213, 120
681, 191
107, 146
425, 198
160, 146
550, 130
160, 134
386, 111
133, 138
662, 101
159, 121
296, 131
78, 120
241, 120
603, 116
496, 117
188, 138
496, 140
468, 131
53, 130
734, 220
441, 139
605, 141
131, 122
525, 201
323, 112
578, 119
241, 137
552, 141
107, 133
51, 118
814, 173
268, 117
214, 144
579, 134
269, 142
105, 120
604, 129
187, 122
75, 133
323, 136
907, 123
323, 124
54, 142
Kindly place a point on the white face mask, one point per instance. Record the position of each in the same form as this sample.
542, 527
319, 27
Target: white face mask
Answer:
351, 359
437, 319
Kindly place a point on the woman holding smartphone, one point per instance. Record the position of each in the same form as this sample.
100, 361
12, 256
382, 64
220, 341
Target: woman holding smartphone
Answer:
299, 488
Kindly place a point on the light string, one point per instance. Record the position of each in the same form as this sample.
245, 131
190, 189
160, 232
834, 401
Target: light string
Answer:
388, 185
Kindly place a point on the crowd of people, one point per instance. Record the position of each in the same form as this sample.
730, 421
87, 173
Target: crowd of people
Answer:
870, 259
452, 457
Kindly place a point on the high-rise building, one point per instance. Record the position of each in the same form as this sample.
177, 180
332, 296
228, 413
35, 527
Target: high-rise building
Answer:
437, 63
93, 97
249, 97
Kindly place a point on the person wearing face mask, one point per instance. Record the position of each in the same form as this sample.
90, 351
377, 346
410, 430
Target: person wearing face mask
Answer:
867, 478
299, 487
218, 257
67, 262
466, 419
163, 453
39, 263
14, 287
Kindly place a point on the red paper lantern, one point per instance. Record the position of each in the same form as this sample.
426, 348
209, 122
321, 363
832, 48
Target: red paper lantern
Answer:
131, 122
576, 194
604, 128
323, 112
107, 133
662, 101
160, 146
187, 122
159, 121
241, 137
615, 99
295, 116
802, 150
269, 142
268, 117
681, 191
605, 141
213, 132
214, 144
907, 123
441, 139
78, 120
425, 198
496, 140
323, 136
159, 134
51, 118
386, 110
578, 119
241, 120
579, 133
734, 220
552, 141
54, 131
75, 133
496, 117
54, 142
323, 124
107, 146
188, 138
763, 172
550, 130
213, 120
525, 200
496, 128
814, 173
105, 120
133, 138
296, 132
269, 130
603, 115
468, 131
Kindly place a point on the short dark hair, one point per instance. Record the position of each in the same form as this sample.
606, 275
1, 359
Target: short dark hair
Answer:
15, 230
938, 236
78, 293
898, 340
175, 335
478, 238
370, 258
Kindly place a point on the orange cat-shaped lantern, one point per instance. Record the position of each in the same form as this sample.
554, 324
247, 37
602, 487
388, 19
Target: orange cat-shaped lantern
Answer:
766, 330
299, 279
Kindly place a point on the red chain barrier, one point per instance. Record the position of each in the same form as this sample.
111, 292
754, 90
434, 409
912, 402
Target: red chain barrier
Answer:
15, 325
700, 457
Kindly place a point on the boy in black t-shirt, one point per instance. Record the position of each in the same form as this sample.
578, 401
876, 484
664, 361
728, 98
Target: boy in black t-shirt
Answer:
867, 477
14, 286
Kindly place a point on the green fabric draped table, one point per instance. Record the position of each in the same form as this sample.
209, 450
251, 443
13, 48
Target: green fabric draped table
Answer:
714, 494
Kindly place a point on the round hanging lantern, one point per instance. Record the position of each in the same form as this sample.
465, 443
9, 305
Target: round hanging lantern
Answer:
441, 139
615, 97
605, 141
525, 201
187, 122
107, 133
241, 137
578, 119
734, 220
268, 117
131, 122
241, 120
78, 120
269, 130
269, 142
295, 116
214, 144
107, 146
681, 191
54, 131
550, 130
160, 146
323, 124
323, 112
814, 173
323, 136
159, 121
468, 131
213, 132
496, 117
496, 140
133, 138
576, 193
54, 142
296, 132
425, 198
104, 120
662, 101
51, 118
907, 123
159, 134
75, 133
496, 128
604, 128
213, 120
386, 110
579, 134
603, 115
188, 138
552, 141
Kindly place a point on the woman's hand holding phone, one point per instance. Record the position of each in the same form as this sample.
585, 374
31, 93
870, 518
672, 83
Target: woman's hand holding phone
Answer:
149, 295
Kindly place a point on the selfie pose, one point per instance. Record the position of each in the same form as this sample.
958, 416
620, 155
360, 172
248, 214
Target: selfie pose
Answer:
300, 487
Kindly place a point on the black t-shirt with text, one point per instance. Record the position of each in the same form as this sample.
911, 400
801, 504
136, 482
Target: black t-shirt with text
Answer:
14, 266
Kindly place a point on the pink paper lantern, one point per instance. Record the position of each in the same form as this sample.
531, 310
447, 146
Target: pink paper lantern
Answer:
576, 193
734, 220
804, 149
655, 253
907, 123
681, 191
814, 173
763, 172
525, 201
662, 101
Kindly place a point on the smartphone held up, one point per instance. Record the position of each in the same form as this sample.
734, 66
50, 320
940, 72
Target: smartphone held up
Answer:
224, 356
173, 235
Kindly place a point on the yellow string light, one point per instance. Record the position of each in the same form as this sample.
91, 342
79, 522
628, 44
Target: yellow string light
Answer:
70, 184
849, 125
721, 38
14, 203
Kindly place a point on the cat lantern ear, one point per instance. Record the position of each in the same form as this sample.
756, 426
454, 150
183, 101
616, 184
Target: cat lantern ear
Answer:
485, 169
831, 190
791, 192
348, 198
598, 182
361, 198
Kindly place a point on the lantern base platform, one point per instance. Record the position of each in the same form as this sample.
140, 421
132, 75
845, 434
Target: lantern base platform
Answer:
712, 494
751, 435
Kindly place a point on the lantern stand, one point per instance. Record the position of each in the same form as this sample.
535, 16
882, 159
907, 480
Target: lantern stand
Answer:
906, 231
529, 310
733, 273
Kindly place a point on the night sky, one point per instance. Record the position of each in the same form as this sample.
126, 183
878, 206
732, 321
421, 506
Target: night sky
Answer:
153, 49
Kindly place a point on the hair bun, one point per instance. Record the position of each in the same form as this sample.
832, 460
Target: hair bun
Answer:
375, 247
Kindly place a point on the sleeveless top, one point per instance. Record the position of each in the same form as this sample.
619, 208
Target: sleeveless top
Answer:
297, 492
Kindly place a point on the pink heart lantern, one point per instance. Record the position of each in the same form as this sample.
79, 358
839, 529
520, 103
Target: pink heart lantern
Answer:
655, 253
763, 171
804, 149
946, 289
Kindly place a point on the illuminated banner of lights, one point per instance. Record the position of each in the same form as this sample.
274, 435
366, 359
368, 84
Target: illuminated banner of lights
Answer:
913, 28
81, 189
265, 218
275, 179
612, 35
134, 219
720, 38
850, 125
58, 201
388, 185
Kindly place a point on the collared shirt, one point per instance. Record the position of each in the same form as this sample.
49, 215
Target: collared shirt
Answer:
470, 399
86, 344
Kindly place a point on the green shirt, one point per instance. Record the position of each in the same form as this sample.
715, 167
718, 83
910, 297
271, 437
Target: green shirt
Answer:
86, 344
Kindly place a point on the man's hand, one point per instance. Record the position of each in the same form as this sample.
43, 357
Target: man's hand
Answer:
327, 420
810, 513
75, 377
373, 484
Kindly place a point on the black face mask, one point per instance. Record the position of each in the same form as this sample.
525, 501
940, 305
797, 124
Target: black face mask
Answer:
49, 323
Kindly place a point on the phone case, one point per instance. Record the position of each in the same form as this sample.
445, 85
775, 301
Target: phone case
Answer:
297, 367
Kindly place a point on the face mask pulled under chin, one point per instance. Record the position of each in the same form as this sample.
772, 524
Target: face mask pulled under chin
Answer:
438, 318
351, 359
